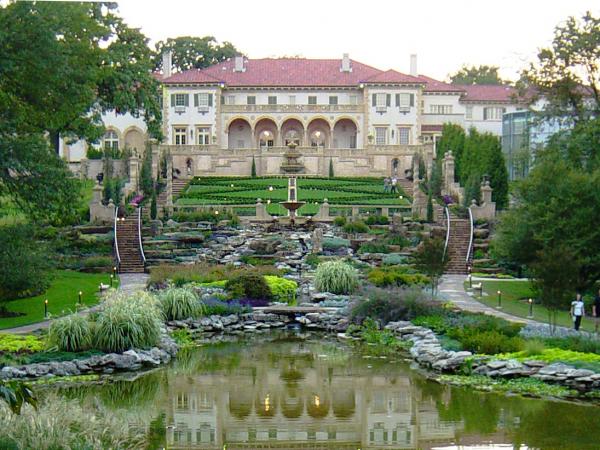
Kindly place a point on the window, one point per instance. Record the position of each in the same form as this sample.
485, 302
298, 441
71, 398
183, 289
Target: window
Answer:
353, 100
312, 99
111, 140
381, 135
403, 100
469, 112
181, 100
404, 135
292, 100
333, 100
202, 100
251, 100
440, 109
203, 134
180, 135
272, 100
230, 100
380, 100
493, 113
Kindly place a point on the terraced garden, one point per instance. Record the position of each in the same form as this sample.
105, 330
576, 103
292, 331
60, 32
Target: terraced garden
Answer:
216, 191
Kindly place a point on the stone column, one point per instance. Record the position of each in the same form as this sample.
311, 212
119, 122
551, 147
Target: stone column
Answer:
134, 165
486, 193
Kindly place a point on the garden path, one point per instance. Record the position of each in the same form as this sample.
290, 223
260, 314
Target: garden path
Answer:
452, 287
130, 282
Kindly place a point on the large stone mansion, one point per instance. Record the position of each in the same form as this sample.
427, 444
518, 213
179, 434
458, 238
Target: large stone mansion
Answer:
340, 112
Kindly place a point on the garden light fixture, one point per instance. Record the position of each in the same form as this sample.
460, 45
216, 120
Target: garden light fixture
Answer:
530, 316
80, 294
499, 300
46, 308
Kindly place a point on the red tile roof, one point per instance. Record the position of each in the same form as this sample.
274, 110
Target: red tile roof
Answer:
432, 85
279, 72
488, 93
391, 76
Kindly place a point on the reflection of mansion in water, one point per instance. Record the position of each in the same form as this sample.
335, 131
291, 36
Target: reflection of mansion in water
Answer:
287, 406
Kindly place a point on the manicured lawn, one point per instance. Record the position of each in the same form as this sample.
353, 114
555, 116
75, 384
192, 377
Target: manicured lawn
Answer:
272, 190
514, 301
62, 296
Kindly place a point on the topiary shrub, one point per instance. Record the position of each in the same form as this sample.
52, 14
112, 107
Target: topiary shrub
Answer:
336, 277
71, 333
283, 290
128, 321
377, 220
179, 304
357, 226
249, 285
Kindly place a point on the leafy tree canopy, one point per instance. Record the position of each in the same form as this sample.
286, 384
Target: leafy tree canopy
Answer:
191, 52
567, 74
476, 75
61, 65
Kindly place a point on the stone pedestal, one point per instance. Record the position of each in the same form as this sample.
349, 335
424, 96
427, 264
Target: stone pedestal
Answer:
487, 209
100, 213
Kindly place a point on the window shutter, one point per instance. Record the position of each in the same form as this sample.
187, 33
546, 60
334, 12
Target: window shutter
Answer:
222, 99
484, 113
374, 99
388, 100
172, 99
397, 99
187, 100
210, 99
196, 100
412, 100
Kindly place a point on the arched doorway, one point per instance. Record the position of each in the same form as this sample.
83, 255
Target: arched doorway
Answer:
319, 133
344, 134
134, 140
265, 133
292, 130
239, 134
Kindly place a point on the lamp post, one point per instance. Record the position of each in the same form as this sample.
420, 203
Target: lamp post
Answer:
499, 300
46, 309
111, 280
470, 282
79, 300
530, 316
115, 271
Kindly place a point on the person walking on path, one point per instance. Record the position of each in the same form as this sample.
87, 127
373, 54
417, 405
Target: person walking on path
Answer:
394, 185
577, 311
596, 311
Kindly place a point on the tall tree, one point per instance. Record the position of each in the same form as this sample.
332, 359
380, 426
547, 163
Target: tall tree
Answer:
453, 139
190, 52
567, 74
431, 259
476, 75
61, 65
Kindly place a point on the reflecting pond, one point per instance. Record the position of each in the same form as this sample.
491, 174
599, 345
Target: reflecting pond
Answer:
298, 390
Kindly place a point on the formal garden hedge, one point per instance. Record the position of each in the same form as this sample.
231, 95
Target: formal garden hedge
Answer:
244, 191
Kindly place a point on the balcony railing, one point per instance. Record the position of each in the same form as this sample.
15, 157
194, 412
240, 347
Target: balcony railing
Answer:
292, 108
439, 119
304, 150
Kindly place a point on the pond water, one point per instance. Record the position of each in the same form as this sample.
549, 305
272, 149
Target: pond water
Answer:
298, 390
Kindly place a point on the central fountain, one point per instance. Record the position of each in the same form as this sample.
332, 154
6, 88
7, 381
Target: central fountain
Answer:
291, 163
292, 204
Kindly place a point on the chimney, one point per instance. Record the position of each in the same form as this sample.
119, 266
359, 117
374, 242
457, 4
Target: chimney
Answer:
346, 63
167, 63
413, 65
239, 64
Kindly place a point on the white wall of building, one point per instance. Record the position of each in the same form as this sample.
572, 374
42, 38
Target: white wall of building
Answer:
393, 116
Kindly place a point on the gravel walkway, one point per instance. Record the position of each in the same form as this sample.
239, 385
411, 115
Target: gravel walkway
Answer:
452, 287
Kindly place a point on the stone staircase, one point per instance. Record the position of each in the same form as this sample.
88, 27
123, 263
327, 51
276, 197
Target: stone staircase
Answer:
406, 186
178, 187
129, 246
458, 245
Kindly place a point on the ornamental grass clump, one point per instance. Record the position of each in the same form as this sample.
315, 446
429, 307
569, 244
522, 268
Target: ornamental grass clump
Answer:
180, 303
71, 333
336, 277
128, 321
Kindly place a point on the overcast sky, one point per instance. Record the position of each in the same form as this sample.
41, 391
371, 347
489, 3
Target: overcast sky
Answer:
444, 34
